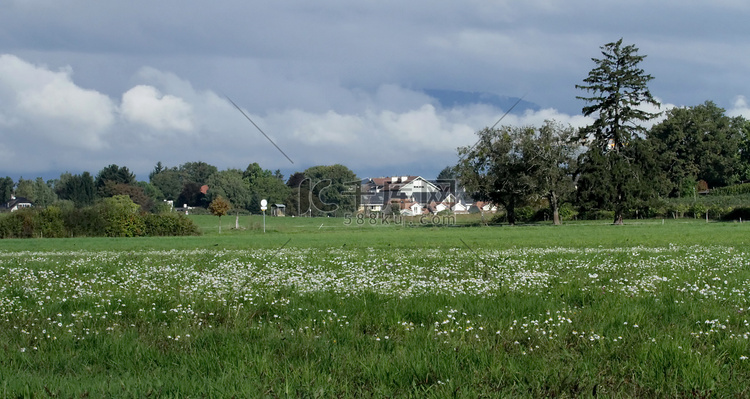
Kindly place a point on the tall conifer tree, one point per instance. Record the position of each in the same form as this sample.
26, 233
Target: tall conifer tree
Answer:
616, 87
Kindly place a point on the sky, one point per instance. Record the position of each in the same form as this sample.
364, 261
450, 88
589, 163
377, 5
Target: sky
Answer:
86, 84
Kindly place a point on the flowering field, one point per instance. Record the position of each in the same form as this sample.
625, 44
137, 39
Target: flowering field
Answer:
664, 321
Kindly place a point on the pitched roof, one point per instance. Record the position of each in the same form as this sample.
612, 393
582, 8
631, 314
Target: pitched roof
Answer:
15, 201
373, 199
388, 181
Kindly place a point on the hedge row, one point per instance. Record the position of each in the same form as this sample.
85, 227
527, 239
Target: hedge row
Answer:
110, 218
718, 208
736, 189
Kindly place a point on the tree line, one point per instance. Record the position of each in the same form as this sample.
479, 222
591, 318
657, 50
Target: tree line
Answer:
614, 166
316, 191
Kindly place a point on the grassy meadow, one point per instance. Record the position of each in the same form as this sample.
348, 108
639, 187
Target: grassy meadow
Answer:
328, 307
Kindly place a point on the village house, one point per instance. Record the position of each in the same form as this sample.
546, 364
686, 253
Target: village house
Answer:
415, 195
16, 203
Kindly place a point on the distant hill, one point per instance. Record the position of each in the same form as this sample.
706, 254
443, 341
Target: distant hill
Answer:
453, 98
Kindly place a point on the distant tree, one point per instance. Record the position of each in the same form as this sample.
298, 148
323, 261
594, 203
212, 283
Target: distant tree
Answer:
270, 188
6, 189
191, 195
79, 189
151, 191
497, 168
601, 180
332, 190
113, 175
168, 181
618, 87
196, 172
393, 208
254, 171
25, 189
157, 169
136, 194
296, 179
264, 184
448, 173
230, 185
554, 162
447, 180
219, 207
745, 152
36, 191
699, 143
298, 199
44, 195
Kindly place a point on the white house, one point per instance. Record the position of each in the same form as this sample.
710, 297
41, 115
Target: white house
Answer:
410, 208
417, 184
17, 203
461, 208
380, 191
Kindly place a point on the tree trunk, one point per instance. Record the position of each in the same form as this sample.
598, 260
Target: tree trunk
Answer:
618, 217
556, 216
555, 209
511, 212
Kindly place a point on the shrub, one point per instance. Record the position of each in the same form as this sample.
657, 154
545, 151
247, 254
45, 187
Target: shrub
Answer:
567, 212
698, 209
121, 217
49, 222
112, 217
597, 215
12, 225
168, 224
84, 222
525, 214
162, 207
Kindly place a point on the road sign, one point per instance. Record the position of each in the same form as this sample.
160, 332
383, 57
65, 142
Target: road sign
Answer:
263, 207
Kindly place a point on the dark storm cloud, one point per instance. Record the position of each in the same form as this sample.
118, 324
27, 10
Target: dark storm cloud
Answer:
137, 82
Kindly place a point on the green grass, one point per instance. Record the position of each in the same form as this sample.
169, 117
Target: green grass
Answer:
585, 309
340, 232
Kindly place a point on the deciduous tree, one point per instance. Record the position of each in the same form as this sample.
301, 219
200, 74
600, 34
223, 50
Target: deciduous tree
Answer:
167, 180
219, 207
25, 189
497, 169
332, 189
699, 143
196, 172
44, 195
298, 199
191, 195
265, 184
552, 154
230, 185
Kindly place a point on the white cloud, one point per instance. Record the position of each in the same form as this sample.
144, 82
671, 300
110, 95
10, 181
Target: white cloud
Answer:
740, 108
146, 105
48, 106
163, 117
